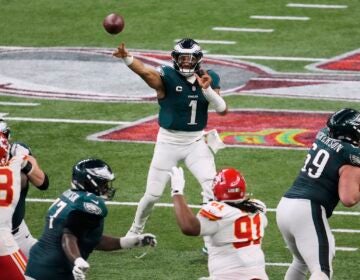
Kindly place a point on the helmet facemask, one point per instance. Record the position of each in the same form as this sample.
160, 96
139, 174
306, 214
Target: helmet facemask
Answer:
187, 57
4, 150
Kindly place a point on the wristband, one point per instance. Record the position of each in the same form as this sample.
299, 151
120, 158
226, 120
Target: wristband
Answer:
128, 60
27, 168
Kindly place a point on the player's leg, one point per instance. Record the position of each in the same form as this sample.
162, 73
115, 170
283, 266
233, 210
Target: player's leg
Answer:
24, 238
320, 264
164, 158
200, 161
12, 267
286, 223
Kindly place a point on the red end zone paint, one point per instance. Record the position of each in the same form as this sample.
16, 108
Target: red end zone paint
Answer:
281, 129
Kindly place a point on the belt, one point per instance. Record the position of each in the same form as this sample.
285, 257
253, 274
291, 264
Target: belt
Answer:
15, 231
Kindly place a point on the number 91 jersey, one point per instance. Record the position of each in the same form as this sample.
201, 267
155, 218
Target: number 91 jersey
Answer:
319, 177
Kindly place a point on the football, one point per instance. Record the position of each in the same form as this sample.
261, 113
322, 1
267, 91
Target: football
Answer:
114, 23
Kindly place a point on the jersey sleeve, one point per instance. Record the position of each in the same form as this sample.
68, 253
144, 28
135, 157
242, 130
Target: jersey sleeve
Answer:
351, 155
92, 204
215, 84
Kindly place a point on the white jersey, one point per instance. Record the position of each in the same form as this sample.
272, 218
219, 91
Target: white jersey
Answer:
234, 241
10, 187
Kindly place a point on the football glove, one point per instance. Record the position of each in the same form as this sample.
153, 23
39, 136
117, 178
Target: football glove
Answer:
146, 239
80, 268
177, 181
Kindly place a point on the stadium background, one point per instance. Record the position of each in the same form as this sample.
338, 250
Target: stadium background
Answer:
154, 25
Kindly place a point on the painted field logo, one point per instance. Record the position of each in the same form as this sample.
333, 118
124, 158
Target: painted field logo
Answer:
250, 128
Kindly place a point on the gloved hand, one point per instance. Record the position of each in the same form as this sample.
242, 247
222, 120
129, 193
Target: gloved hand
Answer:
177, 181
80, 268
146, 239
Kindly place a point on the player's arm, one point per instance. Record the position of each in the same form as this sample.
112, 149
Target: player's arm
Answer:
211, 95
35, 174
148, 74
186, 219
110, 243
349, 185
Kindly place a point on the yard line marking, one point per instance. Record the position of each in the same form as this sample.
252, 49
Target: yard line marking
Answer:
279, 18
346, 249
64, 121
319, 6
277, 264
281, 58
171, 205
236, 29
341, 230
18, 104
211, 42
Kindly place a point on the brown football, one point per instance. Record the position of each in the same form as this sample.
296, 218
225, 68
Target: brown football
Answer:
114, 23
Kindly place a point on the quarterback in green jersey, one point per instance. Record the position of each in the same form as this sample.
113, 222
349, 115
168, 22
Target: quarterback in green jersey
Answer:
74, 226
184, 93
331, 173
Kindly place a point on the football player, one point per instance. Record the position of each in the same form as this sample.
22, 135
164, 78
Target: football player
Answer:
184, 93
19, 229
233, 224
12, 260
74, 226
331, 172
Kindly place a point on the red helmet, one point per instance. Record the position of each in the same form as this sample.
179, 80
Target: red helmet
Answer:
4, 150
229, 185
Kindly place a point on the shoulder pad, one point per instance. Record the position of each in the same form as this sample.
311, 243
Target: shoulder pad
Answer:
215, 210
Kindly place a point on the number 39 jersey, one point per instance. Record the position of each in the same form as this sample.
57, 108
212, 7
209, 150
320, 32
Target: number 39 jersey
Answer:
232, 236
319, 177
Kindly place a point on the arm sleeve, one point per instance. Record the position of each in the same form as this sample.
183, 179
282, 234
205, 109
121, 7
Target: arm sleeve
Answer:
79, 222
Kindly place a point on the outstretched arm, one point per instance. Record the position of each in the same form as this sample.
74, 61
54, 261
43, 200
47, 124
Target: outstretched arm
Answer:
186, 219
349, 185
148, 74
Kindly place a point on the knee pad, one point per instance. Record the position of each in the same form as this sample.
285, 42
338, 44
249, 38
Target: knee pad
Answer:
149, 198
319, 275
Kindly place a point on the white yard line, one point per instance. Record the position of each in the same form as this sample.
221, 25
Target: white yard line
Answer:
341, 230
279, 18
237, 29
316, 6
19, 104
280, 58
340, 213
63, 120
346, 249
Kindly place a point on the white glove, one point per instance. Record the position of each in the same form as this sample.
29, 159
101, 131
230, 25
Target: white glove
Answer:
80, 268
146, 239
177, 181
214, 141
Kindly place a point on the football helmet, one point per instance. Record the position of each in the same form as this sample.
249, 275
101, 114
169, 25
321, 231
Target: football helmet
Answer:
345, 125
95, 176
4, 129
187, 56
4, 149
229, 186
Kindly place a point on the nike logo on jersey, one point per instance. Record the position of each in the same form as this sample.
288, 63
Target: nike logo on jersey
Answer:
95, 201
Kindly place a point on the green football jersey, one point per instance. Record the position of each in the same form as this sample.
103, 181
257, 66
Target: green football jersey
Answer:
184, 106
47, 256
319, 177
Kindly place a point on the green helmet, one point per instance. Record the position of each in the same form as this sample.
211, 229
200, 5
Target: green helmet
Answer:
345, 125
95, 176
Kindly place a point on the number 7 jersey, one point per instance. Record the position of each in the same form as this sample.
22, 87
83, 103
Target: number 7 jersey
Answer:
319, 177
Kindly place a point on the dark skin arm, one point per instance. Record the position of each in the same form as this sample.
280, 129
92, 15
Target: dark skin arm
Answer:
186, 219
70, 246
108, 243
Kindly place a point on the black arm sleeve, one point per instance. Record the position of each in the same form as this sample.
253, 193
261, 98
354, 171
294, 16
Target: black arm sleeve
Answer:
79, 222
44, 186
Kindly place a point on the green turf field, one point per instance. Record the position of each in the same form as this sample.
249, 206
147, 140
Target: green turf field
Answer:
153, 25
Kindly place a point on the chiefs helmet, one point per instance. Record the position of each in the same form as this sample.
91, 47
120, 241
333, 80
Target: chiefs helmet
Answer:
187, 56
4, 129
95, 176
4, 149
345, 125
229, 186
